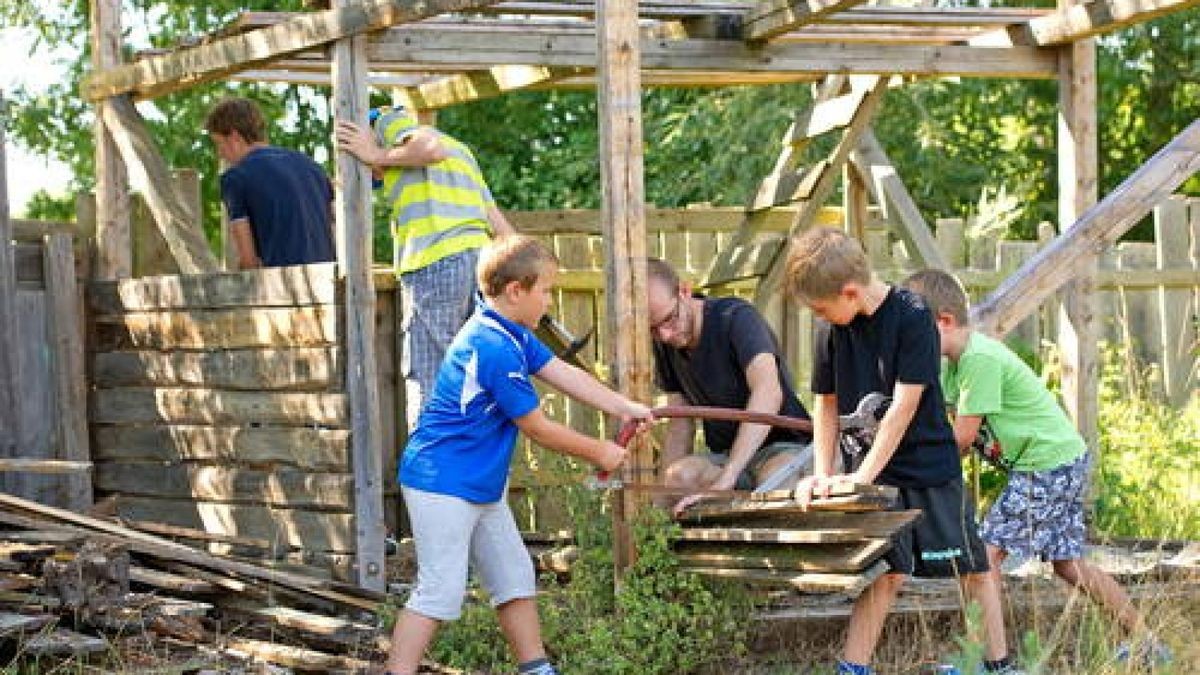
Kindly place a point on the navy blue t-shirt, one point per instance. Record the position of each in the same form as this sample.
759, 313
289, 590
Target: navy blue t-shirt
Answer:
898, 343
286, 197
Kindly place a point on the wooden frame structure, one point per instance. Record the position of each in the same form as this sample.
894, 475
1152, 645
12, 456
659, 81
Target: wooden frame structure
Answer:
620, 46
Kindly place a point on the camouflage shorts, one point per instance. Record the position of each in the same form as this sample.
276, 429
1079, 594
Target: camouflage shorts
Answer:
1040, 513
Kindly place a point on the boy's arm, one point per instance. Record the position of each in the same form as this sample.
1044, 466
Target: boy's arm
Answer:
500, 224
420, 148
243, 238
584, 388
762, 378
966, 429
905, 400
825, 442
550, 434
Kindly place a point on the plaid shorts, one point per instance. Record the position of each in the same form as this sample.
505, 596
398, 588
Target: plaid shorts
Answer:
1040, 513
436, 301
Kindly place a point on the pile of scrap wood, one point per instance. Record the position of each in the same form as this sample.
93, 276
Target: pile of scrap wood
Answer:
833, 546
71, 584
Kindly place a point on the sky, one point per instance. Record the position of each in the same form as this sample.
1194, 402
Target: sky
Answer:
27, 173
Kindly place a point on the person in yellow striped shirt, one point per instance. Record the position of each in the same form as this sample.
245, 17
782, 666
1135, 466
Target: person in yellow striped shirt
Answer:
442, 213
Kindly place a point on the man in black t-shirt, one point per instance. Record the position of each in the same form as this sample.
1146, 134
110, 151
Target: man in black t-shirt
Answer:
718, 352
277, 200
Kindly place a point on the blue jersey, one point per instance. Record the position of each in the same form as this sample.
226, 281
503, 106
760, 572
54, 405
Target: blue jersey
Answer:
465, 436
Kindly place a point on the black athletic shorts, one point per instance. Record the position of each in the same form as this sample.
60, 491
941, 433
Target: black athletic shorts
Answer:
945, 541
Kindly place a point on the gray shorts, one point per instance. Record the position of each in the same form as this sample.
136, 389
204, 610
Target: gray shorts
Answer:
449, 531
436, 301
746, 479
1040, 513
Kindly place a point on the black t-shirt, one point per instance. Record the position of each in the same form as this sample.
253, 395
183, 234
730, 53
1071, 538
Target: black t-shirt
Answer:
898, 343
714, 373
286, 197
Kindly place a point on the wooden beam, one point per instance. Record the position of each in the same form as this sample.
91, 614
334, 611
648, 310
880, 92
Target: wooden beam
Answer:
712, 219
1084, 20
187, 68
1097, 228
45, 466
897, 204
622, 201
416, 48
114, 253
8, 316
772, 18
352, 206
179, 225
489, 83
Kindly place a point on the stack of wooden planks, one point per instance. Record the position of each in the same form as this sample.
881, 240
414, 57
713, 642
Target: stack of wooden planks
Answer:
833, 546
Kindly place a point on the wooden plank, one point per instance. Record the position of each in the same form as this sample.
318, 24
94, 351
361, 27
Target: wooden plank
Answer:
286, 488
1178, 329
177, 222
847, 557
136, 405
805, 582
113, 250
295, 657
770, 535
63, 642
187, 68
318, 449
692, 220
352, 206
1084, 20
34, 230
314, 530
314, 326
425, 49
35, 404
12, 624
47, 466
199, 535
8, 316
268, 287
65, 329
622, 196
166, 581
898, 206
28, 266
1099, 226
778, 513
249, 369
327, 627
489, 83
772, 18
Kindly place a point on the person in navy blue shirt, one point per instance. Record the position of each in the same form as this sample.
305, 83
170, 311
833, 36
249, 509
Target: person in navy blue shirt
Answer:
277, 200
454, 470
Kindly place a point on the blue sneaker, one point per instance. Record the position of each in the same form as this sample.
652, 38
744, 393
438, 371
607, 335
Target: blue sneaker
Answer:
1146, 654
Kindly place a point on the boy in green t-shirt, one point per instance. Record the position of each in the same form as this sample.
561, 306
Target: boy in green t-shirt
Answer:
995, 396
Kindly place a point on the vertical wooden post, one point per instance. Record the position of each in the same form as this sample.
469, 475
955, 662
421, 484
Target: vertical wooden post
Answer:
854, 201
1077, 192
65, 329
624, 222
114, 253
353, 213
8, 292
1177, 309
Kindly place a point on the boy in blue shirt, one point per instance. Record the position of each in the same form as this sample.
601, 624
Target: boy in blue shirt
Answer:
994, 394
455, 468
876, 338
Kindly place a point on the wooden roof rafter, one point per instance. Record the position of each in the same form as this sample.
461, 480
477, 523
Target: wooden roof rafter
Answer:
1082, 21
772, 18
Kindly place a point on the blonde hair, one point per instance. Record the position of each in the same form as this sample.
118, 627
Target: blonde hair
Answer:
821, 261
942, 294
661, 271
513, 257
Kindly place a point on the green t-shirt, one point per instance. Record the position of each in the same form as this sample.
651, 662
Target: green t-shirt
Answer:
990, 381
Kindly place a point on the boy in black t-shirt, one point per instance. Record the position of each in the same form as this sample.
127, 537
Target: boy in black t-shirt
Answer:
876, 338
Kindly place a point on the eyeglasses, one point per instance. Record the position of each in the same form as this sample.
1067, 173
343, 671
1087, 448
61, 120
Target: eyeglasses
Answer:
670, 318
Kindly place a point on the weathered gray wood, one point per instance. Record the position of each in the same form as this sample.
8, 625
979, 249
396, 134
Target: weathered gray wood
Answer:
1140, 312
296, 657
63, 642
1079, 21
314, 326
483, 48
788, 514
48, 466
249, 369
327, 627
28, 266
490, 83
8, 317
65, 329
1099, 226
1178, 309
772, 18
770, 535
219, 58
898, 206
352, 204
695, 221
113, 250
177, 222
15, 624
269, 287
622, 195
951, 241
283, 488
848, 557
318, 449
35, 404
136, 405
290, 527
166, 581
805, 582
